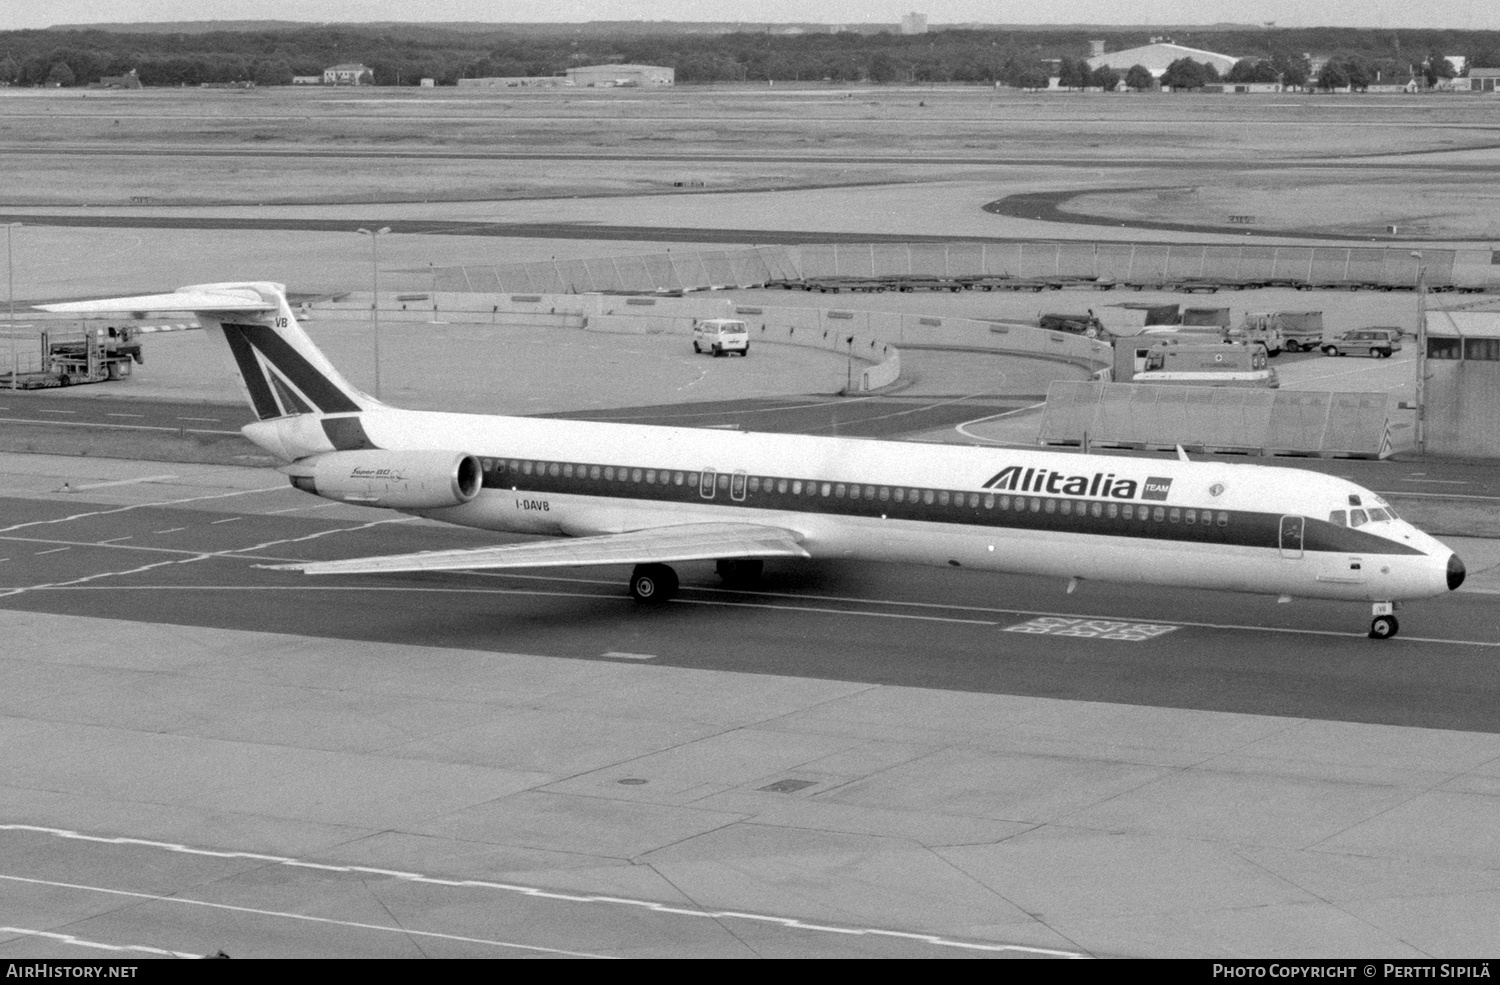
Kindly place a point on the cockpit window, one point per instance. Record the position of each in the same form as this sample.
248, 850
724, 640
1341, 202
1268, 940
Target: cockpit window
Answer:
1378, 514
1339, 517
1354, 500
1357, 518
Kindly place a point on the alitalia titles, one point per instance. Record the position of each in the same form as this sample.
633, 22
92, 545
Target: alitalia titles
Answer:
1014, 478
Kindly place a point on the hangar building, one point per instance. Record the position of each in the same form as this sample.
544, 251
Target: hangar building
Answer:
614, 75
1156, 57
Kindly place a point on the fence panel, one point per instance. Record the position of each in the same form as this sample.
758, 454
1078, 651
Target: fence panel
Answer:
1038, 260
1076, 260
965, 260
1184, 262
1222, 263
1148, 264
818, 260
1329, 265
1357, 423
1298, 421
1293, 263
1257, 264
1002, 259
1365, 265
1112, 261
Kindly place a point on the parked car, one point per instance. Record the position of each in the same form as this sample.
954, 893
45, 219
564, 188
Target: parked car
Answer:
1365, 342
721, 336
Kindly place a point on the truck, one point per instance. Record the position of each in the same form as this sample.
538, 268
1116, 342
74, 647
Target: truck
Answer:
1299, 331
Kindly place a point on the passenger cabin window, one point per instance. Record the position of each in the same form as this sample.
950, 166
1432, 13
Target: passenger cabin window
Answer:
737, 487
706, 487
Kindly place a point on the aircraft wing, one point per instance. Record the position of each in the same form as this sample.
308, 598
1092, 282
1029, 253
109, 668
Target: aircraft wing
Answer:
686, 542
178, 301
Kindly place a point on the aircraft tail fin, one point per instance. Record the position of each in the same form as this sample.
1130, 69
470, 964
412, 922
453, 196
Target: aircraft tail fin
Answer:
279, 368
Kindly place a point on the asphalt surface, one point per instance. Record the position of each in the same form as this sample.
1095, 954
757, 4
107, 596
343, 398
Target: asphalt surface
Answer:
835, 621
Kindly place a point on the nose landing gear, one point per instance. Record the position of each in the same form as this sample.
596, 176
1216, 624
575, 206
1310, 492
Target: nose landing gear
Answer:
1384, 625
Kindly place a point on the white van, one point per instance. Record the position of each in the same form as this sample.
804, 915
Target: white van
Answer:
721, 336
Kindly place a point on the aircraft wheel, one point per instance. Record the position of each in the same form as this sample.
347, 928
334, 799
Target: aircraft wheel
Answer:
1383, 627
653, 583
740, 572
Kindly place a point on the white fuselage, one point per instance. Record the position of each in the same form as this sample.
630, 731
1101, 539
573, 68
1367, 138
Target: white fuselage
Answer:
1235, 527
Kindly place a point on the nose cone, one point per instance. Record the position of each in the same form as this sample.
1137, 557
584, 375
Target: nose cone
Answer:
1456, 572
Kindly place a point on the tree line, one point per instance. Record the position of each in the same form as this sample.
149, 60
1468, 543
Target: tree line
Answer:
404, 54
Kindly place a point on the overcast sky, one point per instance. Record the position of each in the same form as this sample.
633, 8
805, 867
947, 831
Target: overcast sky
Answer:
1287, 13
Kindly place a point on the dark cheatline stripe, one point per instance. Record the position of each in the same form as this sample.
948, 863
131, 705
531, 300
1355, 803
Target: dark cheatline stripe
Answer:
1243, 529
303, 375
347, 433
255, 380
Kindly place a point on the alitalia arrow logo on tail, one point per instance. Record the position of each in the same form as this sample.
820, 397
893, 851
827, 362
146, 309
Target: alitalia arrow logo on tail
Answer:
1015, 479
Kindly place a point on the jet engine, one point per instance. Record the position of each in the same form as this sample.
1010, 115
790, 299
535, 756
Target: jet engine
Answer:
401, 480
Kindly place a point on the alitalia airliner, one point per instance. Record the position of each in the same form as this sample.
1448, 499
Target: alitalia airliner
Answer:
653, 496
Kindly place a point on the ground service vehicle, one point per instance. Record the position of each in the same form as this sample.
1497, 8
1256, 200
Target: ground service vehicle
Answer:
1076, 324
721, 336
1184, 361
1379, 342
651, 496
1301, 331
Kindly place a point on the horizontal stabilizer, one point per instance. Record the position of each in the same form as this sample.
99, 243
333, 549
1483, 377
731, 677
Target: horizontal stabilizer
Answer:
687, 542
178, 301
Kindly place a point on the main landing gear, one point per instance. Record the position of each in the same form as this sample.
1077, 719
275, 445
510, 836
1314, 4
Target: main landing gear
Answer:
656, 583
653, 583
1384, 625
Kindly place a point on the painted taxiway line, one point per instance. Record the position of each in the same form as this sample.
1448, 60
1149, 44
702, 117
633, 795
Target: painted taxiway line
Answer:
124, 482
961, 428
201, 556
98, 945
140, 506
535, 892
285, 915
112, 427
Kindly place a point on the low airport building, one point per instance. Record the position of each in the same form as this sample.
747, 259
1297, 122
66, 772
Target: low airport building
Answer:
130, 80
348, 74
1155, 58
1484, 80
1463, 383
515, 82
604, 76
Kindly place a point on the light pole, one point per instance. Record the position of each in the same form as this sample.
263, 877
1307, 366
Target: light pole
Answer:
375, 293
1421, 400
10, 298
